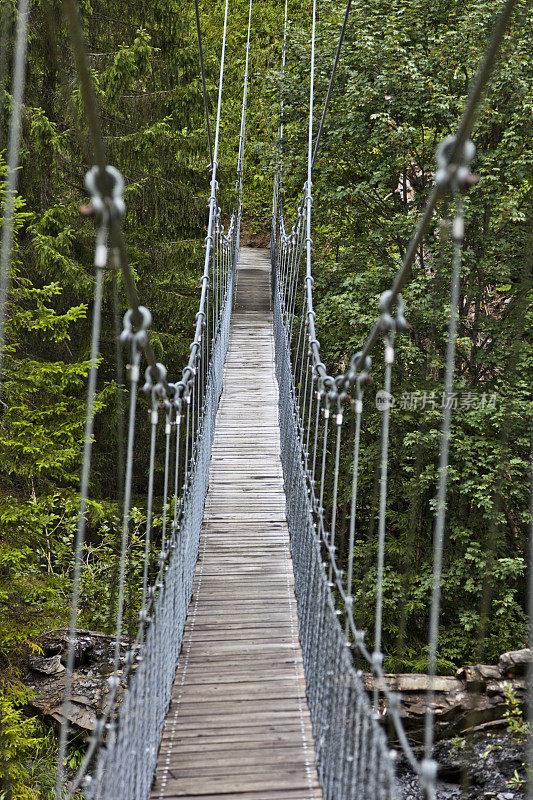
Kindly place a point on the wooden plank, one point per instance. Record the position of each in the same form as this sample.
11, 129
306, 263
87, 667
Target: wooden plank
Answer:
241, 692
264, 737
266, 732
286, 794
256, 755
197, 785
202, 634
236, 670
230, 673
244, 766
238, 727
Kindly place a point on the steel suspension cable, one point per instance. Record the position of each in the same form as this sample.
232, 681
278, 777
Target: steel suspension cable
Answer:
128, 478
105, 186
154, 419
240, 162
453, 163
308, 197
102, 179
358, 410
438, 536
282, 102
168, 445
189, 371
100, 263
13, 150
377, 655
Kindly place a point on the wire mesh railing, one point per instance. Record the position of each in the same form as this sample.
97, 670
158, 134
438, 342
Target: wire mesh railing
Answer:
127, 760
351, 748
321, 415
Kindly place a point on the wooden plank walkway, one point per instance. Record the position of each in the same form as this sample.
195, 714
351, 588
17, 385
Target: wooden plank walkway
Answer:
238, 727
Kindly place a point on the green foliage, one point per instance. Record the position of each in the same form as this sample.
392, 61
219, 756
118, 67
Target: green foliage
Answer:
28, 752
405, 71
516, 724
519, 729
402, 81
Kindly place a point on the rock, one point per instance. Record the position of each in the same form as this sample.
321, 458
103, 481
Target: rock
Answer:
473, 699
93, 663
46, 666
489, 671
498, 687
472, 678
514, 663
412, 682
421, 683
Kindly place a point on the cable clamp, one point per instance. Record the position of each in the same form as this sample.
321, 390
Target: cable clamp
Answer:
377, 661
106, 191
139, 337
455, 176
134, 372
458, 226
387, 321
359, 637
361, 378
155, 382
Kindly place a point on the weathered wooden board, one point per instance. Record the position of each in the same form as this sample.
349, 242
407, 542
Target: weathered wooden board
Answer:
238, 726
295, 794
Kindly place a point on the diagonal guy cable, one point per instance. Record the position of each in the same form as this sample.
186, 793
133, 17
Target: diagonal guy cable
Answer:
95, 132
204, 89
464, 129
331, 81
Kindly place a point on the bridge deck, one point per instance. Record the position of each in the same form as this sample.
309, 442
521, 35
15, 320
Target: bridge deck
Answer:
238, 726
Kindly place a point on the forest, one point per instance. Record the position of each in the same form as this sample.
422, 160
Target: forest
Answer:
405, 70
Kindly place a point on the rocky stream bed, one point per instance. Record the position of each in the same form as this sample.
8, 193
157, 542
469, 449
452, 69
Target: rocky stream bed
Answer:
478, 758
480, 766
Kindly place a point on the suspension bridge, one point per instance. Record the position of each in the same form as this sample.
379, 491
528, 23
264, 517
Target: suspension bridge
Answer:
240, 683
238, 719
